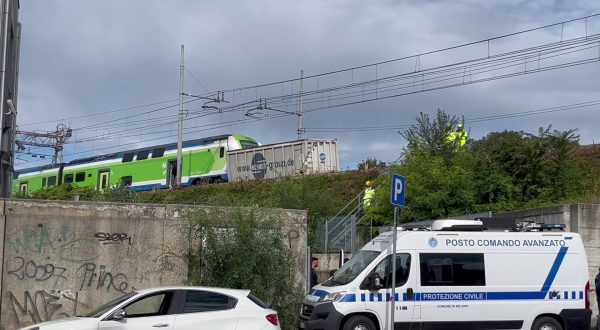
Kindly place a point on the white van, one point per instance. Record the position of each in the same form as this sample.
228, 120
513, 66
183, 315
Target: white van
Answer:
457, 276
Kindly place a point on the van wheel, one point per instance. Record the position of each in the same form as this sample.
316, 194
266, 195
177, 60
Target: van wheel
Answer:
359, 322
546, 323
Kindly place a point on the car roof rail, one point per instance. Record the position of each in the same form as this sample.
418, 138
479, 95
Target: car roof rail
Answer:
527, 226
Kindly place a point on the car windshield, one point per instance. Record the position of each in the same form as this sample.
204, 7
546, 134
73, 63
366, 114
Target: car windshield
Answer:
350, 270
109, 305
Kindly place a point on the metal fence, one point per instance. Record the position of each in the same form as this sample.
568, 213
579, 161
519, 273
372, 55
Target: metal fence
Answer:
336, 233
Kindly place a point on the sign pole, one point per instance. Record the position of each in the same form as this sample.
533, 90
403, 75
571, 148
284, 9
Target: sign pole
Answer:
397, 199
394, 237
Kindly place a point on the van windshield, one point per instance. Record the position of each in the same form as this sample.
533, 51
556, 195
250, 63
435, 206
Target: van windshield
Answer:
350, 270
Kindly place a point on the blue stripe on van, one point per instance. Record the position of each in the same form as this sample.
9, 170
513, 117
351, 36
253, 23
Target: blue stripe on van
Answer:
349, 298
554, 269
318, 293
467, 296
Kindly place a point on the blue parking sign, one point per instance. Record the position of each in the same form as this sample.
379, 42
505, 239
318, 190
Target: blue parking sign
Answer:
398, 189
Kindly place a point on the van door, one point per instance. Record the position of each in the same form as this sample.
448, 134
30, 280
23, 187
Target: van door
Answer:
452, 293
380, 301
103, 179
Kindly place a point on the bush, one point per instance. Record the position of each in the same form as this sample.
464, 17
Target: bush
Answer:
242, 251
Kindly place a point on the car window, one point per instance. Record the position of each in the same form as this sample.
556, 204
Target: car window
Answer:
155, 304
257, 301
110, 305
203, 301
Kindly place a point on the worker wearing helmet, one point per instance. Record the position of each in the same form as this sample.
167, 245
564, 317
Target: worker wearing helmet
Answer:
459, 137
369, 193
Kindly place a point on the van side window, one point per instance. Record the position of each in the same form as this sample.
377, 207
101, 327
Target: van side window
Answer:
452, 269
384, 269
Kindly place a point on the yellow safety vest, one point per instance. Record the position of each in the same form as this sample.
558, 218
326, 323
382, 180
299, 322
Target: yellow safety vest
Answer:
369, 193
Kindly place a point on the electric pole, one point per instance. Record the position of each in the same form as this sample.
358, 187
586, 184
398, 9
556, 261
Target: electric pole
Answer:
55, 140
180, 130
300, 105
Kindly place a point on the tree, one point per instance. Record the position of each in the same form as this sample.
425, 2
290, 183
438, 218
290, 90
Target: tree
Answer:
429, 136
371, 163
434, 189
245, 251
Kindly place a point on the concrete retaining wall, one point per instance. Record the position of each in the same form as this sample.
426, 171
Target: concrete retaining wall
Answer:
66, 258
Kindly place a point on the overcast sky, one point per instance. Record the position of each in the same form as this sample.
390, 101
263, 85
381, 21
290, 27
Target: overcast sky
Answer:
83, 60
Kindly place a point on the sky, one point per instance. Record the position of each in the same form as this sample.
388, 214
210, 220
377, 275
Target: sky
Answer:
110, 69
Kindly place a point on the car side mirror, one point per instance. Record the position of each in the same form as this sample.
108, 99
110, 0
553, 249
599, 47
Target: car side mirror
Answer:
119, 315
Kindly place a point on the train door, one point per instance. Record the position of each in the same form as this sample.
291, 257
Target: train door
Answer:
23, 188
172, 173
103, 179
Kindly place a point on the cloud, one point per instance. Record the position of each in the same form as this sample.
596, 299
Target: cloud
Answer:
92, 57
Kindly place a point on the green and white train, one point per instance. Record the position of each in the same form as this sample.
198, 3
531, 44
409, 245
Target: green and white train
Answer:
151, 168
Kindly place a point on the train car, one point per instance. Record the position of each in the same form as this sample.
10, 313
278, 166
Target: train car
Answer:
143, 169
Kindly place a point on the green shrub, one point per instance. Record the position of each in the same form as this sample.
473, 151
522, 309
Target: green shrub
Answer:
245, 250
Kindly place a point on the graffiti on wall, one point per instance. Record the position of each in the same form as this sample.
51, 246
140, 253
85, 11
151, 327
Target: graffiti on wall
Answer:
114, 238
42, 305
51, 272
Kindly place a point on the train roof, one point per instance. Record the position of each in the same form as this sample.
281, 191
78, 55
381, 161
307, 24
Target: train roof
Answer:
115, 155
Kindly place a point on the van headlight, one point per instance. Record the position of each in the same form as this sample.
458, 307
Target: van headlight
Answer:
333, 296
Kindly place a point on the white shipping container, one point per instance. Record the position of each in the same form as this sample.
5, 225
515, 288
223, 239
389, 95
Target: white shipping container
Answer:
283, 159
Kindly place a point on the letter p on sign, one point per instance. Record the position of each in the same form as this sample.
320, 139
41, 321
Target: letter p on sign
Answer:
398, 189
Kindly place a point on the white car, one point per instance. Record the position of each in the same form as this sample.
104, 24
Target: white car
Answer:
177, 308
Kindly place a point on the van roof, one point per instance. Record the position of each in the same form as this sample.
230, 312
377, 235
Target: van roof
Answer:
469, 240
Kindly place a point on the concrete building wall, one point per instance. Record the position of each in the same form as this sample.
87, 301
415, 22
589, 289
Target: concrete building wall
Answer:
66, 258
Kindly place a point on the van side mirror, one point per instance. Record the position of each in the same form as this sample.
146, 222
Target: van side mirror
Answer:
119, 315
374, 282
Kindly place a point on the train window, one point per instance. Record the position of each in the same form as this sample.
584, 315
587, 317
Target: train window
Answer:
128, 157
126, 180
51, 181
248, 144
79, 176
68, 178
43, 182
158, 152
221, 152
143, 154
